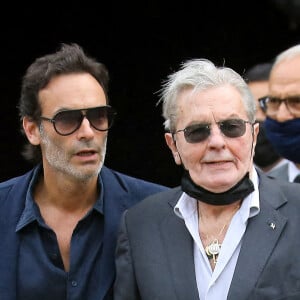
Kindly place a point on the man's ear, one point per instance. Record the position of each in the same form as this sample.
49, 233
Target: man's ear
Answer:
172, 145
31, 130
255, 133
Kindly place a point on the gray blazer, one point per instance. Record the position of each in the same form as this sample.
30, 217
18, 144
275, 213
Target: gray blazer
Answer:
154, 256
281, 172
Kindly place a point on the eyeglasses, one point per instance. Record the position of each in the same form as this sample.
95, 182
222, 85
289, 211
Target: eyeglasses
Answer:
231, 128
270, 105
68, 121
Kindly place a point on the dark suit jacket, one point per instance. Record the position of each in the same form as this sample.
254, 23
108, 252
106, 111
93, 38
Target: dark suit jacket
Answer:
120, 192
155, 250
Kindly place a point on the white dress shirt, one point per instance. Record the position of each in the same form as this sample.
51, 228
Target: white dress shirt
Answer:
214, 284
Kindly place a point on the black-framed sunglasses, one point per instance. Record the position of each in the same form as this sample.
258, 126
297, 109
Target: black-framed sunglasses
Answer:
270, 105
231, 128
68, 121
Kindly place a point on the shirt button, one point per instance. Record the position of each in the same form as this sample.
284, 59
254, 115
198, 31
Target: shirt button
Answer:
74, 283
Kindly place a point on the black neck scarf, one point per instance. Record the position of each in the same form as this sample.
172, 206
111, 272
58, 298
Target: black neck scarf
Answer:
238, 192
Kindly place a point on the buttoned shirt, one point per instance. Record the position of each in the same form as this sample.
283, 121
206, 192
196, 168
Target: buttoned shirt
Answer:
214, 284
41, 275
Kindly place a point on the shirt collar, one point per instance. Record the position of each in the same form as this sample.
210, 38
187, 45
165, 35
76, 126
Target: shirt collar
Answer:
187, 205
31, 211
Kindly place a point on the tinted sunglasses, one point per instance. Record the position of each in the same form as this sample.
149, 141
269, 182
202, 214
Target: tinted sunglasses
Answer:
231, 128
68, 121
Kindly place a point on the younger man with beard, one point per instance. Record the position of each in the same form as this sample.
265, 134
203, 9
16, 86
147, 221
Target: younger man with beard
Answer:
58, 222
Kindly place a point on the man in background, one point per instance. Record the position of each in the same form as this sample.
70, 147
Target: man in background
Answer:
266, 157
282, 107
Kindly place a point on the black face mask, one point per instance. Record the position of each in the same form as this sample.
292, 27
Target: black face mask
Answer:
265, 154
238, 192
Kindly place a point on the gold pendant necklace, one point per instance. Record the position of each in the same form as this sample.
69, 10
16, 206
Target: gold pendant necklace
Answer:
213, 249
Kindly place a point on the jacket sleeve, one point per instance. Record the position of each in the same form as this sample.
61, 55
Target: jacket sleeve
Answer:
125, 287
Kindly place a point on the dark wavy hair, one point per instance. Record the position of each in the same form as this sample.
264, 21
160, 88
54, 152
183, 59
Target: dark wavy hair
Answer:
70, 58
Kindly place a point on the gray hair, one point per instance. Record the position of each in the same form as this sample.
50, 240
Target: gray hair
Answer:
290, 53
200, 74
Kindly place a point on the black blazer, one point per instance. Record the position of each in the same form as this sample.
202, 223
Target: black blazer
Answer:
154, 254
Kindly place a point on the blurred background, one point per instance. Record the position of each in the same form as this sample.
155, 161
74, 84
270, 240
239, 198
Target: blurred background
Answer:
141, 44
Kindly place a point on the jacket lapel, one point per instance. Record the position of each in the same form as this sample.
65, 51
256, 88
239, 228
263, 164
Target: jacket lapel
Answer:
114, 196
118, 198
12, 195
180, 254
260, 238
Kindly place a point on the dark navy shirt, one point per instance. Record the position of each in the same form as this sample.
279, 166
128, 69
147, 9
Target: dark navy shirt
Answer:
41, 274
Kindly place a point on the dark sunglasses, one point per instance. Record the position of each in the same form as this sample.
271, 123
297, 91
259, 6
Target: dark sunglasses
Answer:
68, 121
231, 128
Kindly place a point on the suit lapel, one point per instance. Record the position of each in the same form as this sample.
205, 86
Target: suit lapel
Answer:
11, 207
114, 196
9, 256
260, 238
180, 255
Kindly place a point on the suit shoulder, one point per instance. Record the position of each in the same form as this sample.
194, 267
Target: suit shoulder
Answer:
156, 201
131, 183
13, 191
8, 184
278, 192
153, 209
289, 188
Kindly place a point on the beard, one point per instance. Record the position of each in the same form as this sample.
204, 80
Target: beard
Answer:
60, 160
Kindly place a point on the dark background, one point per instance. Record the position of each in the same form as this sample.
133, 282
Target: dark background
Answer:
141, 44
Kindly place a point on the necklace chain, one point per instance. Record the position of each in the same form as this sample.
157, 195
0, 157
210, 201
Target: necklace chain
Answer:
213, 249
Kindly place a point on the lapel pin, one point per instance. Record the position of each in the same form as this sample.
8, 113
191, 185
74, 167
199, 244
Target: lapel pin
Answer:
272, 225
